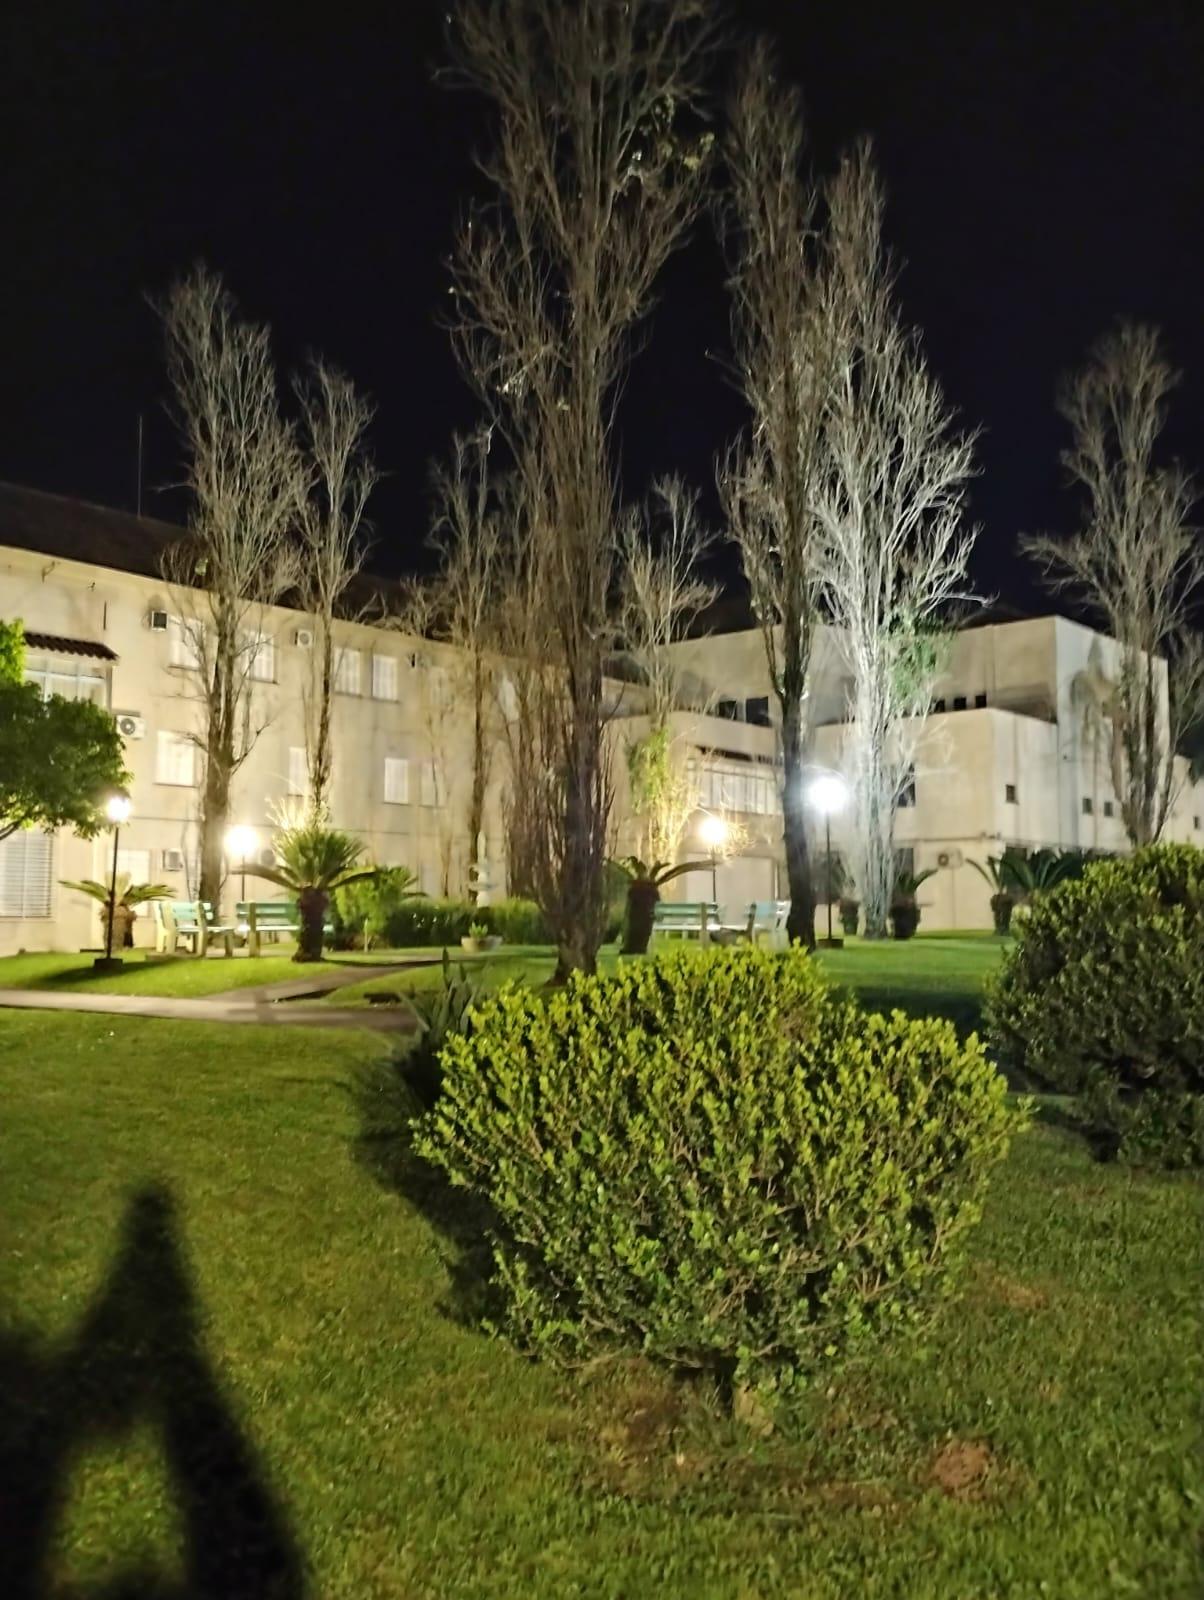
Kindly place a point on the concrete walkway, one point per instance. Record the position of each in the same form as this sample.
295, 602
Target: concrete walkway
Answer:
339, 977
239, 1005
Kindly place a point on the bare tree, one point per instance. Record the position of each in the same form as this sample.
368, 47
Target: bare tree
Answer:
890, 500
782, 348
335, 423
247, 479
1138, 563
593, 176
664, 591
464, 599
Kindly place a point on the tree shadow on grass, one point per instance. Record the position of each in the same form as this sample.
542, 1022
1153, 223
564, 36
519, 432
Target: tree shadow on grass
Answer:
137, 1357
388, 1095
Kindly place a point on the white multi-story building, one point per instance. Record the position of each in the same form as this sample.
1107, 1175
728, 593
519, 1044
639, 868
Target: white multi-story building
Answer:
1010, 754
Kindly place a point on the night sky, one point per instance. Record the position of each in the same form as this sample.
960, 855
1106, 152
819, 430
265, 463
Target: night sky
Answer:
1044, 167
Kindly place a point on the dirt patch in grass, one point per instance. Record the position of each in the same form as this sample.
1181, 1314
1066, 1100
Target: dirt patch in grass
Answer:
963, 1469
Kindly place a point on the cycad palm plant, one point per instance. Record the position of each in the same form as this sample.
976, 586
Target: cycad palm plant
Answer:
314, 861
998, 877
128, 897
644, 882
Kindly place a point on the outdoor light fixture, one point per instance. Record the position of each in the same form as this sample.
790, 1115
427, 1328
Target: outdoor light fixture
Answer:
828, 793
240, 841
117, 809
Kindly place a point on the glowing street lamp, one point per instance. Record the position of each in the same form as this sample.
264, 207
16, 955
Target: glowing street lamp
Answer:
713, 832
828, 793
240, 841
117, 809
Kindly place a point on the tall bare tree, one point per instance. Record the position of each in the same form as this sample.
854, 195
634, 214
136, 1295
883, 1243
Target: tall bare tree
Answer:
663, 591
594, 175
782, 344
464, 600
335, 422
1137, 562
890, 501
247, 480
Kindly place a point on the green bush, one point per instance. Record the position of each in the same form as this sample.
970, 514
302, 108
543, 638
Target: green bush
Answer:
517, 921
716, 1159
362, 911
1103, 995
429, 922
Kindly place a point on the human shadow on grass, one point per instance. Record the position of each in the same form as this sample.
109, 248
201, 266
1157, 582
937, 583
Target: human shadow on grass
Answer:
136, 1357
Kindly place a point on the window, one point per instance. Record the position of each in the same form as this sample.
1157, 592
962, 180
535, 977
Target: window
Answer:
959, 702
183, 638
1088, 805
384, 678
397, 781
1195, 822
134, 865
298, 770
261, 656
26, 874
347, 671
429, 793
429, 880
756, 710
175, 759
438, 691
938, 705
980, 700
72, 677
907, 794
1108, 808
1009, 794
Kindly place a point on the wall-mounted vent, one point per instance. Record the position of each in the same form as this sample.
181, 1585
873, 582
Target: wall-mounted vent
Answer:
172, 860
304, 638
130, 725
158, 621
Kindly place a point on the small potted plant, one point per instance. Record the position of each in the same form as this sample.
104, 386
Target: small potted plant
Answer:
850, 913
904, 907
1003, 901
478, 938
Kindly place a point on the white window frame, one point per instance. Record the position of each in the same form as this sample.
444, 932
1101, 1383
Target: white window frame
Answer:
260, 650
27, 876
67, 675
384, 677
346, 670
298, 771
397, 781
175, 756
182, 651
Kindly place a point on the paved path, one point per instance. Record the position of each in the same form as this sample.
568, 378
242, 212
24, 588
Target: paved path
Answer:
339, 977
232, 1007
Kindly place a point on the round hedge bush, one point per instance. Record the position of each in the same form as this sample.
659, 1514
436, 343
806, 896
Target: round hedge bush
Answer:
717, 1159
1102, 995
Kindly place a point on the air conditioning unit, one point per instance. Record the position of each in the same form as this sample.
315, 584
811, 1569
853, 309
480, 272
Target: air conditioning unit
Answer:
950, 858
130, 725
158, 621
172, 860
304, 638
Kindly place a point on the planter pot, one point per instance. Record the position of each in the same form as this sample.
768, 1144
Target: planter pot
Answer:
850, 913
473, 945
123, 926
1002, 906
904, 919
491, 941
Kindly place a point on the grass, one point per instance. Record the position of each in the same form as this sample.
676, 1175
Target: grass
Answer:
299, 1359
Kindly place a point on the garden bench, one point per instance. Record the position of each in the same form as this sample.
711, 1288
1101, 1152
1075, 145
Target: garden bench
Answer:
686, 919
254, 918
767, 920
193, 920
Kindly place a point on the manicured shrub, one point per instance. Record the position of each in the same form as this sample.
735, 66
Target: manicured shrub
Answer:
362, 911
517, 921
1103, 995
429, 922
716, 1159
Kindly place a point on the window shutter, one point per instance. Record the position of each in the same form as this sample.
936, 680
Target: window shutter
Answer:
397, 781
298, 770
26, 874
384, 678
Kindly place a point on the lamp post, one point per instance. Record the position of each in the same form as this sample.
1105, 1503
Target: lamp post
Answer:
240, 841
713, 832
828, 793
117, 809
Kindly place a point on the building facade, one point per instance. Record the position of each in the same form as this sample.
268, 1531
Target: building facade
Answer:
1012, 753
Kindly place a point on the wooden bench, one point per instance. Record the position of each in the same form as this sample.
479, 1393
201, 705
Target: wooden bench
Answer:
193, 920
254, 918
686, 919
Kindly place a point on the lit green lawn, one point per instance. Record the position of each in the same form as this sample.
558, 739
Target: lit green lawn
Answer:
399, 1453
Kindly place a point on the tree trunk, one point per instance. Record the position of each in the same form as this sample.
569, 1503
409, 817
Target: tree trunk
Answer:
643, 896
219, 766
320, 762
476, 798
311, 905
800, 924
